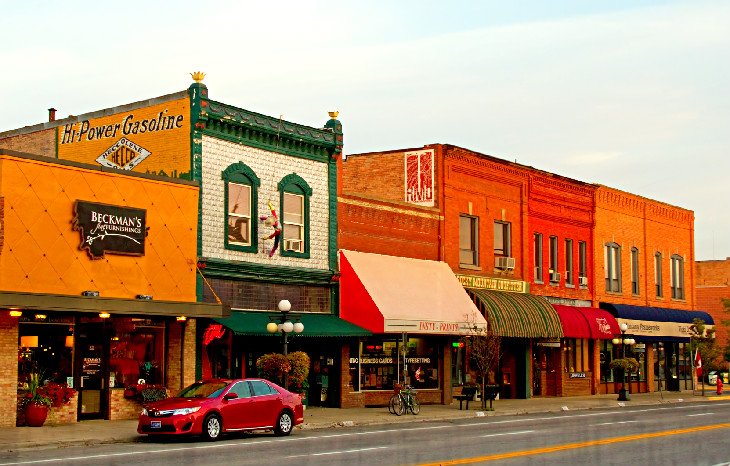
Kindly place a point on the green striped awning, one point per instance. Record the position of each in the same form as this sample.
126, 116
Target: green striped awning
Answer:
518, 315
315, 325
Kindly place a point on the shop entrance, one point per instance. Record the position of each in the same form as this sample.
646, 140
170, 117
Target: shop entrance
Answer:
91, 367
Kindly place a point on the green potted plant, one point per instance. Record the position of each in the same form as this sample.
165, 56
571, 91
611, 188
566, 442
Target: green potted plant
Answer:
37, 403
627, 365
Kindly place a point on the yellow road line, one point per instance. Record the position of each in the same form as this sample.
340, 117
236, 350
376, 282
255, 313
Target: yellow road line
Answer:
572, 446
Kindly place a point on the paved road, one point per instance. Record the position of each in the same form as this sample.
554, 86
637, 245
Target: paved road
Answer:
672, 434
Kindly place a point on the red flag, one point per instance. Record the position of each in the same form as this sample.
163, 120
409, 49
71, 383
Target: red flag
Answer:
698, 364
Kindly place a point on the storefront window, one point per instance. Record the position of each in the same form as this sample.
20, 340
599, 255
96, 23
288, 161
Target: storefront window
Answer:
607, 350
379, 364
381, 367
576, 353
45, 345
422, 363
137, 351
355, 367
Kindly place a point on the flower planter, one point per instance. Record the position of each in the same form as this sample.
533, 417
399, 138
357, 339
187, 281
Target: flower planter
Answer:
35, 414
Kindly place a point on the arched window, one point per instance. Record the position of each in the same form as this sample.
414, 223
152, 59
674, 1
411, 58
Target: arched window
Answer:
658, 274
676, 273
240, 201
612, 267
295, 194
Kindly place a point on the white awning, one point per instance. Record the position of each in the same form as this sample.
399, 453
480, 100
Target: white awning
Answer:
388, 294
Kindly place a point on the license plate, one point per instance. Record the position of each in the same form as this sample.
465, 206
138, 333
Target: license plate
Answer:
155, 424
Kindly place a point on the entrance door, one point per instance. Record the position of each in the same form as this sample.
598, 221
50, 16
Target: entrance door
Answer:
91, 370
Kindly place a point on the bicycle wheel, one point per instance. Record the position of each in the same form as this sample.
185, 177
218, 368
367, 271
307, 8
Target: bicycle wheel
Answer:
397, 406
391, 404
415, 405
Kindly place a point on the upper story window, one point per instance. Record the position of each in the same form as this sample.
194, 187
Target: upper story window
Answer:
569, 262
635, 271
468, 240
295, 194
582, 264
240, 199
538, 258
502, 239
553, 258
612, 267
658, 274
677, 275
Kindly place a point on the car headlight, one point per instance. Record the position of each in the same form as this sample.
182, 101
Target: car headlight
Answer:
144, 412
184, 411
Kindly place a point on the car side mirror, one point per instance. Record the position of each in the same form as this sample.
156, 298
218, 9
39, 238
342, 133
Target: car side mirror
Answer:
230, 396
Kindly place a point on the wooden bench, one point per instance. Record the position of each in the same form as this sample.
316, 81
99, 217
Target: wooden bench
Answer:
467, 394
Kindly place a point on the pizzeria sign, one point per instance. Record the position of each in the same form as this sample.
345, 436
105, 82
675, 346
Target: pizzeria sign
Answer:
109, 228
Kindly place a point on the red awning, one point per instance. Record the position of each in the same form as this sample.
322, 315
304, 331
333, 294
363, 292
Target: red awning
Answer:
587, 322
387, 294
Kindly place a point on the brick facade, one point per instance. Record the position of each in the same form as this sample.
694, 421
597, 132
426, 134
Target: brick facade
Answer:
650, 226
39, 143
712, 284
8, 369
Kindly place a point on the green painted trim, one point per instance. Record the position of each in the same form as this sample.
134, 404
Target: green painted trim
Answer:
332, 192
218, 268
197, 92
241, 173
295, 184
258, 129
266, 142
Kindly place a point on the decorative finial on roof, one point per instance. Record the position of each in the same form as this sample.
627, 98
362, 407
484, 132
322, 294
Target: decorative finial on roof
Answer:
198, 76
333, 115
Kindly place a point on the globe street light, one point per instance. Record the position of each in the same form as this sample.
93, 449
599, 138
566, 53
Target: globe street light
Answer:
623, 341
281, 323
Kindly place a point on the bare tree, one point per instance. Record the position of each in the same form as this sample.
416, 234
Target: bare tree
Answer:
483, 353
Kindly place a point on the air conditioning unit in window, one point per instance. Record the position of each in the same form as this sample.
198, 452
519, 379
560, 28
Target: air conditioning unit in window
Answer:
554, 277
583, 281
293, 245
504, 263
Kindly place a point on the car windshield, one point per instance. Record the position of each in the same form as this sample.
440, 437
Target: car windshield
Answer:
203, 390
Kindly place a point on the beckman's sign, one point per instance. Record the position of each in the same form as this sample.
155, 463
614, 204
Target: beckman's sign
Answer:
110, 228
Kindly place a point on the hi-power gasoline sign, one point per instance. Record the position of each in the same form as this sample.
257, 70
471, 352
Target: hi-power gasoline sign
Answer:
153, 139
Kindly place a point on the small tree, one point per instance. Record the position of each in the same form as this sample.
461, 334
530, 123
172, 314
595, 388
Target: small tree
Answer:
703, 339
484, 352
292, 370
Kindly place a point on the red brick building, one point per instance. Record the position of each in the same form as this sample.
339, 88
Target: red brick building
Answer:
712, 285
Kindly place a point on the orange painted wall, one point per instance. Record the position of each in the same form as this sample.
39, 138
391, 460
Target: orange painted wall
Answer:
84, 141
634, 221
39, 251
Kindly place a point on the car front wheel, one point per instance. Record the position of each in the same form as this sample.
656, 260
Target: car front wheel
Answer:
212, 427
284, 424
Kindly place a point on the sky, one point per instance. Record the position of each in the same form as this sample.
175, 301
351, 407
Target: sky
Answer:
628, 94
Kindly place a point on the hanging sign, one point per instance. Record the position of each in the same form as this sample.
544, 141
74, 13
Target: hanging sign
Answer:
110, 228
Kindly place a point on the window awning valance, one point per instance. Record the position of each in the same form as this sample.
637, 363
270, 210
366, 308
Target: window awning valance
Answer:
587, 322
657, 323
518, 315
315, 325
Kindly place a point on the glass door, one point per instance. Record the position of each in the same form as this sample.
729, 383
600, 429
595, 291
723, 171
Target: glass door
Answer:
91, 371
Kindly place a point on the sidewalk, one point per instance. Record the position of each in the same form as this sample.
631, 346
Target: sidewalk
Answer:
100, 431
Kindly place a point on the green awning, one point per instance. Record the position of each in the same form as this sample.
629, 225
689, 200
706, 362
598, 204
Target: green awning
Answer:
315, 325
518, 315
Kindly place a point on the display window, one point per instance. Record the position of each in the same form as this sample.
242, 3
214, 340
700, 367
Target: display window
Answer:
46, 346
137, 352
381, 363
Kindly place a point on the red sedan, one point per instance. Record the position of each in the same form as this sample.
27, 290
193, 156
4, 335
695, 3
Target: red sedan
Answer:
211, 407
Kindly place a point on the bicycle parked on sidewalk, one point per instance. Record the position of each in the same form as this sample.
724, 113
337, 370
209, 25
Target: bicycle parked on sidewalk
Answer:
403, 401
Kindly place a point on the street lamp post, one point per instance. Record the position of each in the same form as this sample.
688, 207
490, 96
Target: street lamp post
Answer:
281, 323
623, 394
